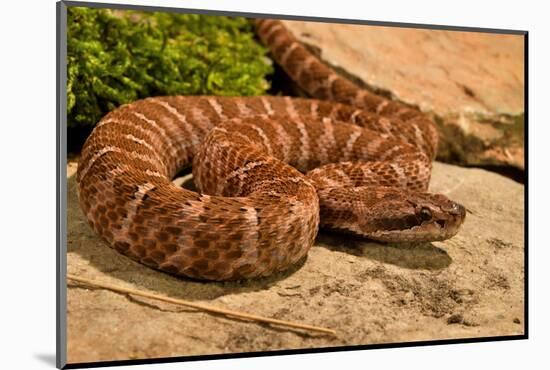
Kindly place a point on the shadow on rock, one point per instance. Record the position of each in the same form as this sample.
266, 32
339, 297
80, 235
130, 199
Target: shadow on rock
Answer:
412, 256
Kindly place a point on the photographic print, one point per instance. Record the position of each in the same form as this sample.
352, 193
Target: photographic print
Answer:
239, 184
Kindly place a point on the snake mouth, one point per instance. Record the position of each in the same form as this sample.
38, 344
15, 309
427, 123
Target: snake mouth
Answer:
438, 227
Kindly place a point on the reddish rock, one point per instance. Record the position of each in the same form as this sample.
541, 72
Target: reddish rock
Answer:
471, 83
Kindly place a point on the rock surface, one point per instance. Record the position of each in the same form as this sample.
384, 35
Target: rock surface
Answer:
471, 83
469, 286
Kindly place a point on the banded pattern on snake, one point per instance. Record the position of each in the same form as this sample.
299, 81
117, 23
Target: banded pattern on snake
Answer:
270, 170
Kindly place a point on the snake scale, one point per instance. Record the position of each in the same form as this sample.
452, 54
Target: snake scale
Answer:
271, 171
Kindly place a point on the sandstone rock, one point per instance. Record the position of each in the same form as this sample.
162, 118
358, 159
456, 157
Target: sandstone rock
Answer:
471, 83
469, 286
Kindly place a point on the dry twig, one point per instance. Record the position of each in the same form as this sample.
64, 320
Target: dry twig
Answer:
203, 307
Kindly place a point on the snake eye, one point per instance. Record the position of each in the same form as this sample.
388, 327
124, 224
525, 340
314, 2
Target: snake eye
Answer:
425, 214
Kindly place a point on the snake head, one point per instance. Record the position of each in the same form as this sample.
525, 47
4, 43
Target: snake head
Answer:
403, 216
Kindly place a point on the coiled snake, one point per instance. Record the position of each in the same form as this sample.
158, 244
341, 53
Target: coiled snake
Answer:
270, 170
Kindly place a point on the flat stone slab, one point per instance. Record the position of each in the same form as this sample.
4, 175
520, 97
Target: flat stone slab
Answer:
469, 286
471, 83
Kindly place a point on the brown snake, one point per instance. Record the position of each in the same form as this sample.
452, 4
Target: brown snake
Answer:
366, 160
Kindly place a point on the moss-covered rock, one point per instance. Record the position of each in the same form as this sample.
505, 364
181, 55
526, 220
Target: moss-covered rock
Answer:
117, 57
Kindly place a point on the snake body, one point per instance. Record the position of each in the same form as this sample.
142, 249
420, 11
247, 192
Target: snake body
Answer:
270, 170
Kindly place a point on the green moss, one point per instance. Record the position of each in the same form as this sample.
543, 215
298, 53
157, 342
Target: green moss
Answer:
117, 57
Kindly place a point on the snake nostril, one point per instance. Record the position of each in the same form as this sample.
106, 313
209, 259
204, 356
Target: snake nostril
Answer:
458, 209
441, 223
461, 210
